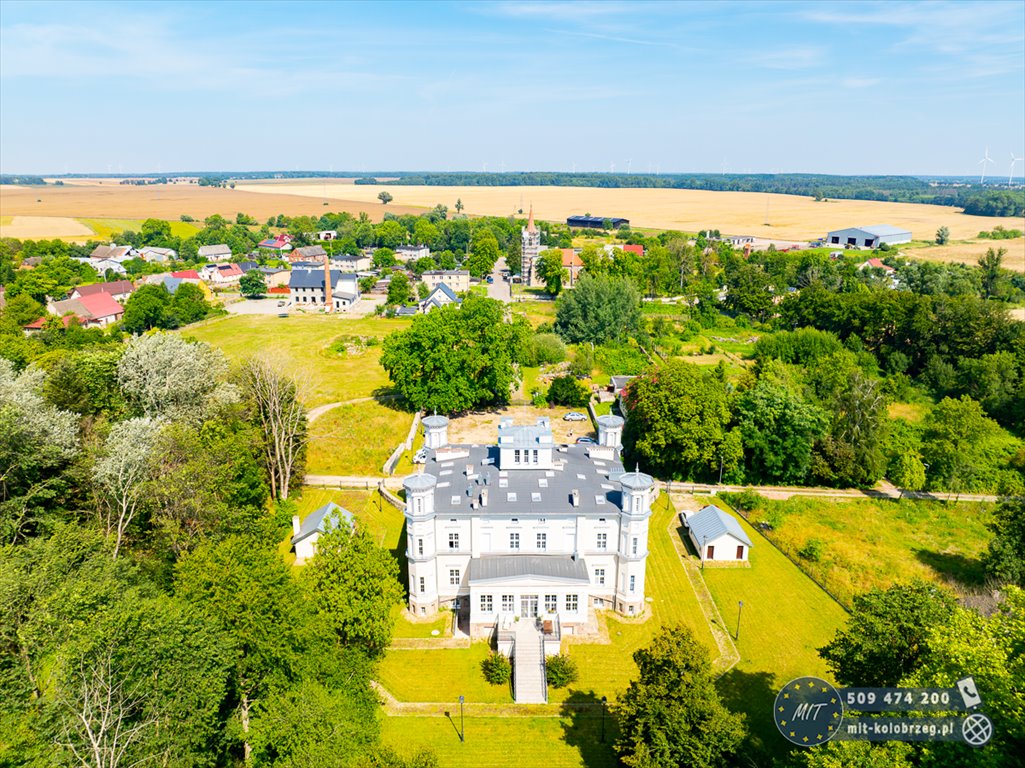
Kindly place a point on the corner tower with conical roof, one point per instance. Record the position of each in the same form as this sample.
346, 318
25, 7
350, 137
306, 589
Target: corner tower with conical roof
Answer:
529, 250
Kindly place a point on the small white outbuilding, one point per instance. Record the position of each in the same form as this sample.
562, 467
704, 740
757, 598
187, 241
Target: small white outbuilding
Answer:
717, 536
306, 532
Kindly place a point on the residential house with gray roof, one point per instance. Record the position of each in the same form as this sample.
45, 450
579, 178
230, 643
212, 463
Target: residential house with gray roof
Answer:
306, 532
306, 286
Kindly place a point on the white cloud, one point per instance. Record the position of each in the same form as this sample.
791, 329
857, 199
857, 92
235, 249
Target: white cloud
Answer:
859, 82
794, 57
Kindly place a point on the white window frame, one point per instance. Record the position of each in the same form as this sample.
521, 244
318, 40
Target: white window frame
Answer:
542, 542
487, 604
603, 542
454, 577
514, 541
599, 576
453, 542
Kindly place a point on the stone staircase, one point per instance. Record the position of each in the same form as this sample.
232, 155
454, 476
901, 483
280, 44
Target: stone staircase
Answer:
529, 685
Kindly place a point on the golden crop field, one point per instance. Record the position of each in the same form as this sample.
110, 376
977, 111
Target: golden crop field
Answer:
164, 201
791, 217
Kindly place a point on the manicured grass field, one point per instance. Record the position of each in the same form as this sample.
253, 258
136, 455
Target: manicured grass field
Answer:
380, 518
876, 542
573, 741
301, 345
356, 439
406, 628
785, 618
606, 669
442, 674
105, 228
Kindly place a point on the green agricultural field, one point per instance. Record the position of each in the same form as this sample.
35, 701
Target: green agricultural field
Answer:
572, 741
106, 228
876, 542
785, 618
356, 439
301, 345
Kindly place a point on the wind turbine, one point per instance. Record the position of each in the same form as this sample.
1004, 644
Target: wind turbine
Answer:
985, 159
1010, 174
612, 167
629, 165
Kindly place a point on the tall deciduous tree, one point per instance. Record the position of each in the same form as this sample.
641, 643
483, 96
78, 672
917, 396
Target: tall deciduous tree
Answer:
1005, 560
550, 270
991, 264
247, 589
963, 447
678, 423
455, 358
399, 288
282, 419
355, 584
887, 634
163, 374
121, 474
672, 715
252, 284
779, 429
598, 310
484, 252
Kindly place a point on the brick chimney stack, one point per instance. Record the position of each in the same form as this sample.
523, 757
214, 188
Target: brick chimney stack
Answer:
328, 303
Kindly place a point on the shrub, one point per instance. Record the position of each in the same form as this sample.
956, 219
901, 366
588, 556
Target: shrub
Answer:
744, 501
813, 550
566, 390
620, 359
560, 671
496, 668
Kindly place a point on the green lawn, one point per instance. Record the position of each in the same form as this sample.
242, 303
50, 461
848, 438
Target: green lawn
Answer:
356, 439
105, 228
301, 345
786, 617
572, 741
406, 628
605, 669
380, 518
442, 674
876, 542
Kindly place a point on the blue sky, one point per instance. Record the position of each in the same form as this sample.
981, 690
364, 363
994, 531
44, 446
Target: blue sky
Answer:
843, 87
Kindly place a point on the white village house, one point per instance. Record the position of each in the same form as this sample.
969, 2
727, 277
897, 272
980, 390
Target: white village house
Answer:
458, 280
717, 536
305, 533
441, 296
526, 529
214, 252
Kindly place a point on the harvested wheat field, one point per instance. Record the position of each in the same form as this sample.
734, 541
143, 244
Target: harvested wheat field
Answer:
743, 213
42, 227
969, 252
170, 201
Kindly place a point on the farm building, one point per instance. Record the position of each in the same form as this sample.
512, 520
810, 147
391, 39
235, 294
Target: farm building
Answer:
869, 237
311, 253
717, 536
306, 532
214, 252
158, 254
596, 222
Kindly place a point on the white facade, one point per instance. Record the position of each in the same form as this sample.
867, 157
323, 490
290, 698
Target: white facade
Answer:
717, 536
547, 533
458, 280
868, 237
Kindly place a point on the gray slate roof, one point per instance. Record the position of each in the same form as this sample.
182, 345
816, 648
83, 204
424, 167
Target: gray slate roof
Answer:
318, 520
444, 289
214, 250
711, 523
523, 435
170, 283
526, 492
314, 278
311, 251
542, 566
884, 229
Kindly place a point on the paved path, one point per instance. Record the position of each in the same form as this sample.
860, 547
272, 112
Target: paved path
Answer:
499, 289
885, 491
320, 410
528, 679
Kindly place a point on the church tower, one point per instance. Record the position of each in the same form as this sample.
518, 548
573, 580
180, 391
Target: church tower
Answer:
530, 250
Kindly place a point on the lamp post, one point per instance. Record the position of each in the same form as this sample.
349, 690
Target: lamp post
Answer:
462, 725
740, 608
604, 701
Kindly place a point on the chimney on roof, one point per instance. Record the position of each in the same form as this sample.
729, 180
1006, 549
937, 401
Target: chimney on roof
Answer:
328, 301
575, 497
484, 497
296, 525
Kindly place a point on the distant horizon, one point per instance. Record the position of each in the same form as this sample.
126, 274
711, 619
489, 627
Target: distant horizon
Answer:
900, 88
992, 178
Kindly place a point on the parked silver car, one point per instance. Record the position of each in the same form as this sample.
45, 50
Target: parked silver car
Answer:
574, 416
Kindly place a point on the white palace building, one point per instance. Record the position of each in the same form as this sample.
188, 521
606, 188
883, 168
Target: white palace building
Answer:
527, 528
